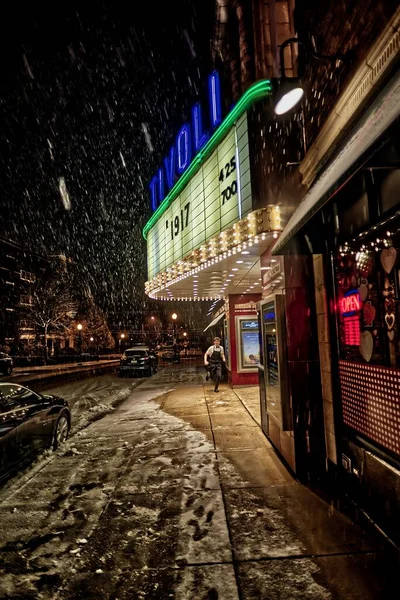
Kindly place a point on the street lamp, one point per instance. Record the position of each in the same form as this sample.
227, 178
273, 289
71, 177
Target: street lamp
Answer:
174, 318
120, 339
176, 353
79, 328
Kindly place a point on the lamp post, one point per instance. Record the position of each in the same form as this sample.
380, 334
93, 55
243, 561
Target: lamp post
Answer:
185, 343
79, 328
176, 353
174, 318
122, 336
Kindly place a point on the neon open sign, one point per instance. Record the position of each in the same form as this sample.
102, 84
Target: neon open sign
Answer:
190, 139
350, 304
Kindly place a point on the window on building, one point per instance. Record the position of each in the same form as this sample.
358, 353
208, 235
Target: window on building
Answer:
26, 300
27, 276
368, 293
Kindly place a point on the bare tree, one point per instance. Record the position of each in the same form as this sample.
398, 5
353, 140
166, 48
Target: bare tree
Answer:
94, 325
52, 305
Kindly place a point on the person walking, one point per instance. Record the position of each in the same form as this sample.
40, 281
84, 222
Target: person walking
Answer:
213, 359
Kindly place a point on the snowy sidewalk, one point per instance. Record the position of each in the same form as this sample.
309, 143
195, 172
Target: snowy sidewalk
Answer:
178, 494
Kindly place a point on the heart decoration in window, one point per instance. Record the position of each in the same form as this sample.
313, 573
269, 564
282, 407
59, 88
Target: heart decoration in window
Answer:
388, 259
389, 305
390, 320
369, 314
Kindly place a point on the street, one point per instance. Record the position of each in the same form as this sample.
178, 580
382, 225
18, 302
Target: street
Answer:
176, 493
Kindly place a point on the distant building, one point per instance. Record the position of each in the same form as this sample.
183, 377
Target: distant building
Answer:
18, 267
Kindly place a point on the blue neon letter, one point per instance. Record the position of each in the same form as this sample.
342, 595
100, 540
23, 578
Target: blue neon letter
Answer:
153, 192
183, 148
169, 164
200, 136
214, 94
160, 181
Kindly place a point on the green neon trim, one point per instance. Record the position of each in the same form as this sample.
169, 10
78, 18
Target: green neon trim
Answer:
258, 90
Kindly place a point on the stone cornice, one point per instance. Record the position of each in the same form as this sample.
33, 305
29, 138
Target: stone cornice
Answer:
364, 84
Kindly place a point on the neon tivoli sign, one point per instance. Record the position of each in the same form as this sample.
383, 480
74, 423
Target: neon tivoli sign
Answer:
190, 139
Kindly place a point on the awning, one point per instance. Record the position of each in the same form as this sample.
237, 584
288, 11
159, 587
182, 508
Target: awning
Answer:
215, 321
376, 120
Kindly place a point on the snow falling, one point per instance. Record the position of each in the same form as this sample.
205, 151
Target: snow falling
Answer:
64, 194
147, 137
89, 102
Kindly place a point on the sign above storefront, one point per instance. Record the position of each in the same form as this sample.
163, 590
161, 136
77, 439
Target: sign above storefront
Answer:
246, 307
272, 273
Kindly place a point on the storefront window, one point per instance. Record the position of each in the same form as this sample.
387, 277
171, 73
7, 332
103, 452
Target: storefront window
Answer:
367, 279
249, 343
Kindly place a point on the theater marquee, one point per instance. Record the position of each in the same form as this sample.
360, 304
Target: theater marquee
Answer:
218, 195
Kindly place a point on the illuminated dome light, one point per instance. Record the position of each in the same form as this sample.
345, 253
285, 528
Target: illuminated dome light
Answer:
288, 100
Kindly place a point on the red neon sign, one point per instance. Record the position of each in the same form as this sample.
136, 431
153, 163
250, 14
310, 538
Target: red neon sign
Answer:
350, 304
352, 334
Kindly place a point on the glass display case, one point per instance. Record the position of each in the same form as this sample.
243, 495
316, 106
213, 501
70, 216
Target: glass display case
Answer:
273, 336
248, 348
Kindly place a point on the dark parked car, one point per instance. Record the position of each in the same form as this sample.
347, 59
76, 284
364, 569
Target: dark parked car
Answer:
6, 364
29, 422
139, 360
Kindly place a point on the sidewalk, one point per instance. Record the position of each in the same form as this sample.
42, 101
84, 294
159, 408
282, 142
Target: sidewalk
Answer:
252, 531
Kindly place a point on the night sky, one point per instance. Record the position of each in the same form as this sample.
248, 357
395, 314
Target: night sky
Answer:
90, 101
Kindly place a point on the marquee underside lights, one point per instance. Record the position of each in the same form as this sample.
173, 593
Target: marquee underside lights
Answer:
244, 234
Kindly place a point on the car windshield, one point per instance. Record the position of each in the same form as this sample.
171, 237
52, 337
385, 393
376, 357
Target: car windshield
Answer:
135, 353
18, 393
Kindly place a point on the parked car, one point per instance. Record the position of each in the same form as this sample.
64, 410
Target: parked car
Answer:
29, 422
139, 360
167, 353
6, 364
